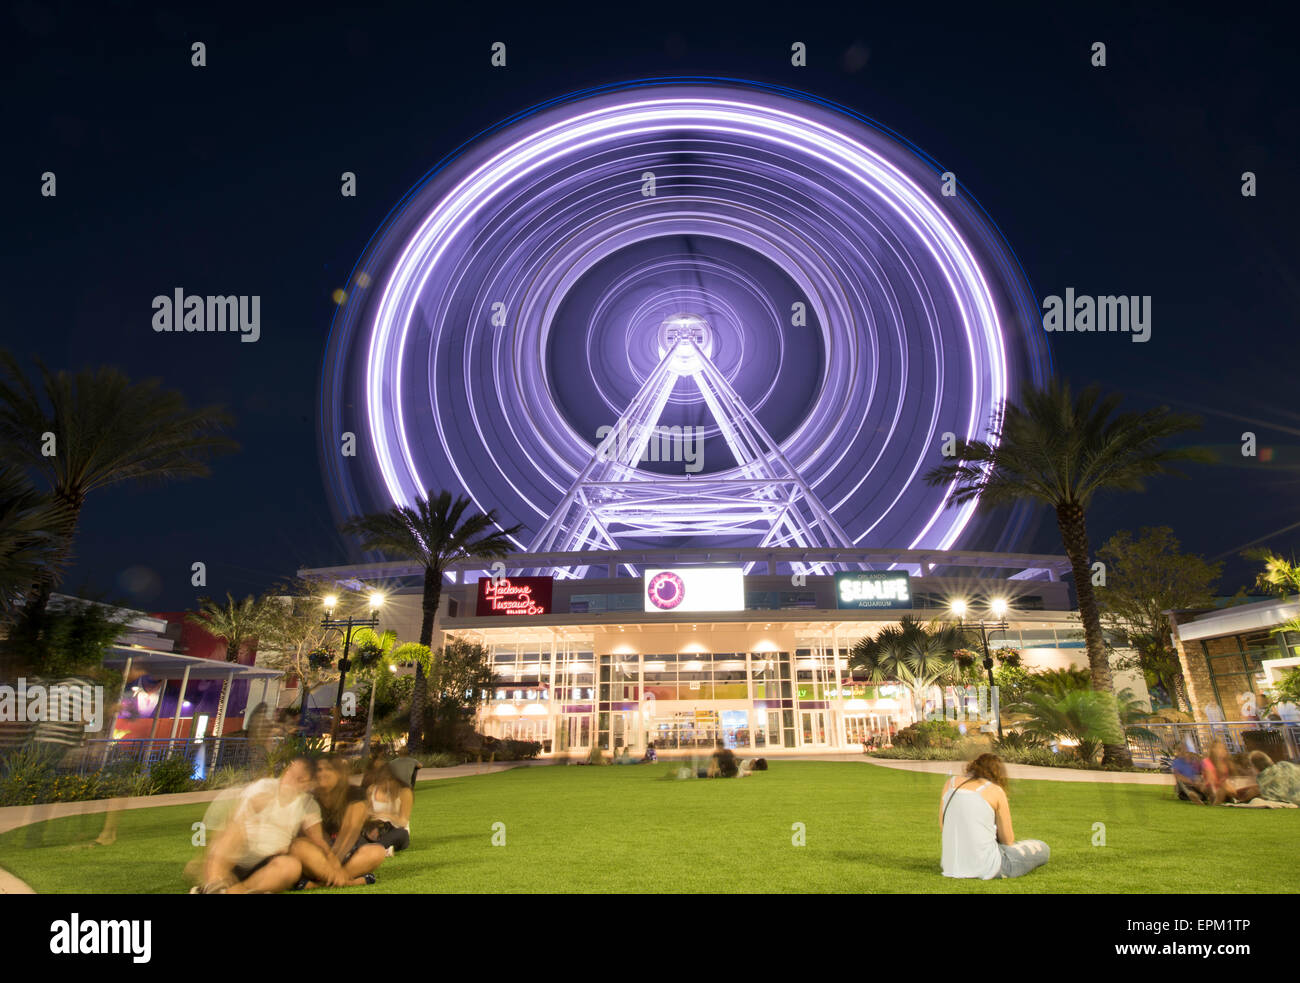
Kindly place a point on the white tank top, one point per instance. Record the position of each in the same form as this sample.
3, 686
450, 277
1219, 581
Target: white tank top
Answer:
388, 809
970, 836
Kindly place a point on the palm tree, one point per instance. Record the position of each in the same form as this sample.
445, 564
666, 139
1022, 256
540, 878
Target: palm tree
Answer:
1279, 576
434, 532
237, 622
1088, 716
95, 429
1062, 451
911, 653
32, 531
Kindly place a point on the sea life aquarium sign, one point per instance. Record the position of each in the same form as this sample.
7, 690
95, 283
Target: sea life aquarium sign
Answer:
889, 589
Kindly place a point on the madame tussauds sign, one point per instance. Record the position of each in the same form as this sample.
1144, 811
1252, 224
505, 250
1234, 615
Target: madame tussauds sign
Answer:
513, 595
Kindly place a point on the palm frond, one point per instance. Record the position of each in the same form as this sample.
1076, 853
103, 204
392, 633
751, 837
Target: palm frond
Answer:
434, 531
33, 537
107, 429
1058, 448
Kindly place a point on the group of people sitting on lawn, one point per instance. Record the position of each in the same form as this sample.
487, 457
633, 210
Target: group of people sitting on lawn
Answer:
308, 828
1222, 778
722, 764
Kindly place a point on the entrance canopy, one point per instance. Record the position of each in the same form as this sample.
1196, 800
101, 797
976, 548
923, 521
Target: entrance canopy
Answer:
163, 665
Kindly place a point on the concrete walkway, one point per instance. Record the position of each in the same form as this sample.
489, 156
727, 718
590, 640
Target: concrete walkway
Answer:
1036, 772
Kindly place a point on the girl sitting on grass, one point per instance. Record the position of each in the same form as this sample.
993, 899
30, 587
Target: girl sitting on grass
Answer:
975, 820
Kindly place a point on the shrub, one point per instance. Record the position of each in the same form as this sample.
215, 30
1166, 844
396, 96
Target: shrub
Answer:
440, 759
964, 749
1012, 681
928, 733
523, 750
226, 777
26, 774
76, 788
1088, 716
1014, 741
171, 775
967, 750
1285, 690
916, 754
1041, 755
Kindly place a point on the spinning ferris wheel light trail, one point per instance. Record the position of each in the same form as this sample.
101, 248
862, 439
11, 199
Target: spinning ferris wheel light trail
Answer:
795, 289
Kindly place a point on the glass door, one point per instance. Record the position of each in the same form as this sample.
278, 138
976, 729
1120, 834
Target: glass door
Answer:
814, 728
574, 732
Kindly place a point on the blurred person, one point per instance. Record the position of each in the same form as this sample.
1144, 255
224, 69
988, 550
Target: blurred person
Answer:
1189, 780
261, 730
252, 854
343, 813
1277, 781
1224, 780
389, 802
650, 753
975, 823
375, 767
723, 764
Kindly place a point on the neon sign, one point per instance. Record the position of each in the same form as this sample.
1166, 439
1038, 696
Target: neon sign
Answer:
513, 596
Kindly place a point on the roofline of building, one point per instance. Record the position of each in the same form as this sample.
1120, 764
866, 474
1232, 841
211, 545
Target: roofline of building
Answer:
1240, 618
1027, 566
823, 617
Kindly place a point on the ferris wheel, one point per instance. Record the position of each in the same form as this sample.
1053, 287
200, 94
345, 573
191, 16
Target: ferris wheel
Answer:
685, 312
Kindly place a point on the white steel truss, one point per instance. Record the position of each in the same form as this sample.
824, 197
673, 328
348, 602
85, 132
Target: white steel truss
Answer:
762, 499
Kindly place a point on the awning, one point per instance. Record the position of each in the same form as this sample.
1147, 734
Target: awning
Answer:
163, 665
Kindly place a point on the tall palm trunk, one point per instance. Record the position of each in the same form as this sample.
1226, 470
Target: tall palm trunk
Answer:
1074, 534
232, 655
420, 691
1182, 701
38, 599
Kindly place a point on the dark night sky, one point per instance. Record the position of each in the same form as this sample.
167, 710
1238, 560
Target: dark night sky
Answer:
225, 180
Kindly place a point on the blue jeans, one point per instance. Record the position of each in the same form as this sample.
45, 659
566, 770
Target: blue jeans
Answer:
1022, 857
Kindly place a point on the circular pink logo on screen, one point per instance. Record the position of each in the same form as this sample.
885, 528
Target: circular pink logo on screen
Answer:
666, 590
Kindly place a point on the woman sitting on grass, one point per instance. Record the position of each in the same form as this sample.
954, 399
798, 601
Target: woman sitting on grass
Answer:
1224, 779
390, 804
975, 820
343, 813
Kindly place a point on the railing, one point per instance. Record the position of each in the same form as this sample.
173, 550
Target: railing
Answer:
1279, 740
205, 754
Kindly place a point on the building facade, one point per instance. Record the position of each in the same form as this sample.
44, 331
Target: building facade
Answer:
1231, 656
592, 662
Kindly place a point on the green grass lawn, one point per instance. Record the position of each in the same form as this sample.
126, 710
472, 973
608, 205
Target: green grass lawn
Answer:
868, 830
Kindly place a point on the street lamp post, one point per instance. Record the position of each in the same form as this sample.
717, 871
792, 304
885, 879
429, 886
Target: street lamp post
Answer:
998, 608
347, 626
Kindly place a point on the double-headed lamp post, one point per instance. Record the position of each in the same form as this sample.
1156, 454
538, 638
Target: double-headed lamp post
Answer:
998, 609
347, 626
